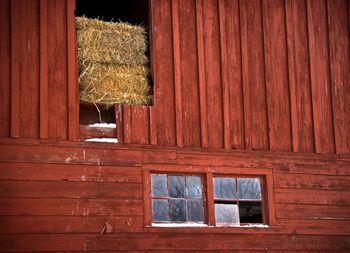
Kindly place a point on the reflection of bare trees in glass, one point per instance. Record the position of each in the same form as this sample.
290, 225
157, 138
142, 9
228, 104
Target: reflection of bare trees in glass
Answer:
177, 186
159, 185
249, 188
224, 188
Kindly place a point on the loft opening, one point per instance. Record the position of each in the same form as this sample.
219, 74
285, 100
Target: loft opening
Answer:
113, 58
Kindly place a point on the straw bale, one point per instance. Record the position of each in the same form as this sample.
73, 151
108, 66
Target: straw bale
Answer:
110, 83
110, 42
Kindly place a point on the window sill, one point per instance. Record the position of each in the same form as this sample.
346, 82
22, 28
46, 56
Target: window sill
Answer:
204, 228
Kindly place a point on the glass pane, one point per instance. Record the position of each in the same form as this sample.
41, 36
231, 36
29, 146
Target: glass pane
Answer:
194, 186
159, 185
226, 214
176, 186
160, 210
249, 188
224, 188
177, 210
195, 210
250, 212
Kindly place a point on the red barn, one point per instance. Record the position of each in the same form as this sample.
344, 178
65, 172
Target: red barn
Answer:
246, 147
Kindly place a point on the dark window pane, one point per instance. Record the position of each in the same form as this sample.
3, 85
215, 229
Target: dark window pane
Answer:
159, 185
177, 210
195, 210
226, 214
250, 212
224, 188
194, 186
249, 188
176, 186
160, 210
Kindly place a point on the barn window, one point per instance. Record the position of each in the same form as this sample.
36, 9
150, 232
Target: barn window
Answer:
237, 200
228, 200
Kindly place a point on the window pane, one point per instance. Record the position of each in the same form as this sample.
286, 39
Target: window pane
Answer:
250, 212
226, 214
177, 186
224, 188
160, 210
177, 210
195, 210
194, 186
159, 185
249, 188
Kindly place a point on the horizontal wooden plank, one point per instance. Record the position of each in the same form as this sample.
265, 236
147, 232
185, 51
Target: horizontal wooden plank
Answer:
71, 207
278, 161
86, 132
311, 181
307, 211
324, 227
307, 196
69, 190
69, 224
25, 243
217, 242
324, 167
69, 172
97, 153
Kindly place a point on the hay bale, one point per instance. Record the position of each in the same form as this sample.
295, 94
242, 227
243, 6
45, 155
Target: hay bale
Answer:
110, 42
109, 84
112, 62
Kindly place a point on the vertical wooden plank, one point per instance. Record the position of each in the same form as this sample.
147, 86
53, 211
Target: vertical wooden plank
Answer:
140, 124
147, 199
119, 122
152, 125
201, 74
5, 70
58, 70
163, 76
338, 27
210, 199
15, 67
44, 122
153, 108
320, 79
26, 67
177, 72
276, 74
234, 63
271, 199
213, 73
299, 76
127, 123
189, 74
72, 71
254, 93
224, 75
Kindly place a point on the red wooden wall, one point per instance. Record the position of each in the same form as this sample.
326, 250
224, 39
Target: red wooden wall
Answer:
259, 75
262, 75
58, 198
234, 80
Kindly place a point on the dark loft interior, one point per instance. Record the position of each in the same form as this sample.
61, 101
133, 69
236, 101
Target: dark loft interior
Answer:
135, 12
131, 11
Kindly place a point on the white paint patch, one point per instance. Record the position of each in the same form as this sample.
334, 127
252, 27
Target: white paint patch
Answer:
103, 125
110, 140
178, 225
249, 226
181, 225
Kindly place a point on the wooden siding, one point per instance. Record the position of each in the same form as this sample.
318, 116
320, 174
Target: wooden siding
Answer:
228, 74
59, 197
